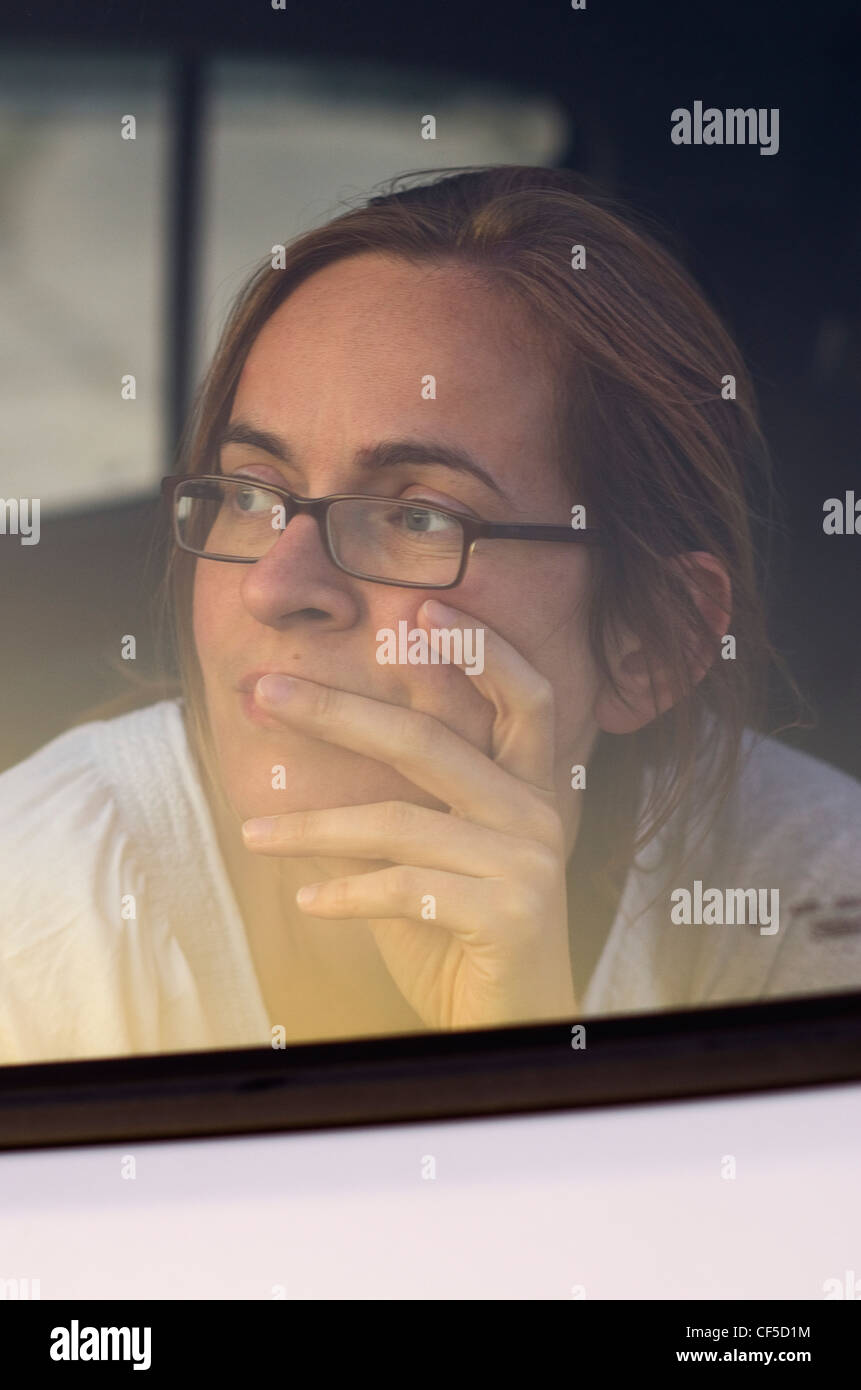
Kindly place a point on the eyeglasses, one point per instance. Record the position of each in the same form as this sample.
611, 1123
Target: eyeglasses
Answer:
381, 539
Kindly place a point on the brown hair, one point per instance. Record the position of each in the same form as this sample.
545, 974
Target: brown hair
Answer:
660, 459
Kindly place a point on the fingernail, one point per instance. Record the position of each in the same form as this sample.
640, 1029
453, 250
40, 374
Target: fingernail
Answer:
439, 613
256, 831
306, 895
276, 689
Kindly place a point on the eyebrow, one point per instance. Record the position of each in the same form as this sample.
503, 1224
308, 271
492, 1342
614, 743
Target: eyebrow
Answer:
386, 454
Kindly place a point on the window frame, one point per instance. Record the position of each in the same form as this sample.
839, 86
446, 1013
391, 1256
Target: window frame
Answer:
631, 1059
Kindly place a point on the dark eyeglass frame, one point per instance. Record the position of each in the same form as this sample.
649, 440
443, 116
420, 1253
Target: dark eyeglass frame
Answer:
318, 507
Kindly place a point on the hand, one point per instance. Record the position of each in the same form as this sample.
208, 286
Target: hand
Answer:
492, 868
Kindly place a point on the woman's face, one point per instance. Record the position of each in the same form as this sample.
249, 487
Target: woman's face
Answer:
340, 367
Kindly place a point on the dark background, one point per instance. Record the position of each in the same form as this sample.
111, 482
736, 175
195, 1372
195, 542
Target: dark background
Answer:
774, 240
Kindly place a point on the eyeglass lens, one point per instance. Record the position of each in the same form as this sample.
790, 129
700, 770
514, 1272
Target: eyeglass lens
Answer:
374, 537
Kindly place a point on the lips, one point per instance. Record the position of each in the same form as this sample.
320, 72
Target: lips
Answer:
247, 684
248, 701
252, 711
245, 688
249, 681
250, 707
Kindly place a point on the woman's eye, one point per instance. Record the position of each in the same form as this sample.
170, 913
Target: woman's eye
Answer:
420, 520
435, 505
425, 519
250, 498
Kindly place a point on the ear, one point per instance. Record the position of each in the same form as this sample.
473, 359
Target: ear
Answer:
709, 586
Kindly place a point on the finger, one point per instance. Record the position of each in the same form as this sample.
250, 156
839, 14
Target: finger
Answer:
452, 901
524, 726
397, 831
422, 748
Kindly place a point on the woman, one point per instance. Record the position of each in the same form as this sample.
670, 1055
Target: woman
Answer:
504, 760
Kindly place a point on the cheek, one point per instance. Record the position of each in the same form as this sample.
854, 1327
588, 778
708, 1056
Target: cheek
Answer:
543, 613
541, 609
212, 616
443, 691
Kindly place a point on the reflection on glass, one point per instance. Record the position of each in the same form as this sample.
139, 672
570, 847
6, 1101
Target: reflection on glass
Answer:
538, 794
81, 271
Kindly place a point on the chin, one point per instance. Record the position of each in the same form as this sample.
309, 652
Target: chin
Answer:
316, 781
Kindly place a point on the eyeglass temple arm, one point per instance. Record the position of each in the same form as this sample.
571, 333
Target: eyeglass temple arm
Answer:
489, 530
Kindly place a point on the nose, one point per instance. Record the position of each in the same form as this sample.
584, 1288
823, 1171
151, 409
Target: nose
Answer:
295, 581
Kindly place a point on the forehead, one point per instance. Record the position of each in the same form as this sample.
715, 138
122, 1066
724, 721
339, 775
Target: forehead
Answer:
431, 307
375, 346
